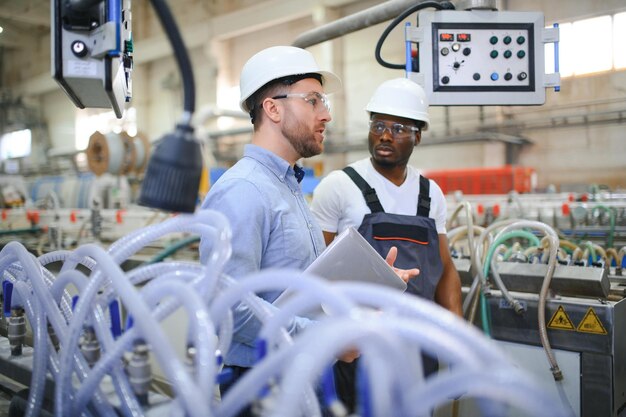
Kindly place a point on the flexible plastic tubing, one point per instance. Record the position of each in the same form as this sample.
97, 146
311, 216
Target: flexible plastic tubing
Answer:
620, 255
65, 302
40, 349
490, 261
460, 232
316, 349
173, 248
470, 304
469, 219
263, 310
297, 305
507, 385
591, 251
111, 356
74, 277
517, 306
301, 361
123, 343
119, 251
62, 256
131, 243
145, 272
500, 238
129, 403
406, 305
471, 300
279, 279
201, 328
567, 245
553, 240
189, 394
486, 234
211, 225
611, 256
32, 270
611, 211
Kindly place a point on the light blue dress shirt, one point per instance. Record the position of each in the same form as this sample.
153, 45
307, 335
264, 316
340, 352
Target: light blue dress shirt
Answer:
272, 228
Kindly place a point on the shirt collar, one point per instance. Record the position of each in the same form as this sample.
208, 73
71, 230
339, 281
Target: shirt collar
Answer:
273, 162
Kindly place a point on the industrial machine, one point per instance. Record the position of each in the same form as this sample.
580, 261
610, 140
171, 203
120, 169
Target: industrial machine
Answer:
482, 57
92, 49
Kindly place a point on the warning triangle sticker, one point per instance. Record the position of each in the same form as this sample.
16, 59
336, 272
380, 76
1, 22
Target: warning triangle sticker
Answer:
591, 323
560, 320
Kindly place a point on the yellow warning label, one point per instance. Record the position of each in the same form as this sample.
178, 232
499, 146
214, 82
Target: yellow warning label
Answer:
560, 320
591, 323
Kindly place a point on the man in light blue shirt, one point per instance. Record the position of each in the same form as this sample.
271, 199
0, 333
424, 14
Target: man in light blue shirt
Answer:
284, 91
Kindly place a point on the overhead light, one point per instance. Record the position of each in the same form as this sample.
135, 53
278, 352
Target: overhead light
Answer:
1, 29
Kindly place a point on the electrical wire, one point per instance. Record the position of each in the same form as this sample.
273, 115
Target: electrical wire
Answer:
182, 58
444, 5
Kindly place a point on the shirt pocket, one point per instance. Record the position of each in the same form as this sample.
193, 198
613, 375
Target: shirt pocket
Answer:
404, 232
295, 240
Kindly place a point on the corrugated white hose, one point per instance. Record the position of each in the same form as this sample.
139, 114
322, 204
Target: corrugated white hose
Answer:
109, 358
266, 281
301, 362
301, 302
201, 327
32, 270
190, 396
119, 251
38, 325
112, 353
318, 348
545, 286
404, 305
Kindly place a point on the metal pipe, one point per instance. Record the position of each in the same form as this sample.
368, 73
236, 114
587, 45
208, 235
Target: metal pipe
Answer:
357, 21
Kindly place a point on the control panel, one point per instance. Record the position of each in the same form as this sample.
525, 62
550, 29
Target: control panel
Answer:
493, 58
92, 50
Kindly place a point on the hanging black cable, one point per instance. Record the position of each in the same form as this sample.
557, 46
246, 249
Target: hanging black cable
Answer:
180, 52
444, 5
173, 174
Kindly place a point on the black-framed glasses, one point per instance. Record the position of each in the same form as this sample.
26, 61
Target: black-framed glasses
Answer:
319, 101
397, 130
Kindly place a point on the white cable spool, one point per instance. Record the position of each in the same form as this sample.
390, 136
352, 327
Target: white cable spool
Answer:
112, 153
141, 145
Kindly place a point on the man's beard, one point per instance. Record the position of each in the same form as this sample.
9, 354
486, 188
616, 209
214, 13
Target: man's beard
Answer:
301, 138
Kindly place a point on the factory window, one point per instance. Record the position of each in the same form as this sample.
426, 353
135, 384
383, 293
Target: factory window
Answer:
619, 33
589, 45
15, 144
89, 121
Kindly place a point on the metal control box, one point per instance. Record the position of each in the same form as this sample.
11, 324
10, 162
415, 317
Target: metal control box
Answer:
92, 52
496, 58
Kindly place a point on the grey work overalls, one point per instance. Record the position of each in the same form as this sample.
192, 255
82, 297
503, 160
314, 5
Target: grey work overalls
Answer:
415, 236
418, 247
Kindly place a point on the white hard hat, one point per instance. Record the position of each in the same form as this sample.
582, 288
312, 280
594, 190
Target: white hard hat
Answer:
277, 62
400, 97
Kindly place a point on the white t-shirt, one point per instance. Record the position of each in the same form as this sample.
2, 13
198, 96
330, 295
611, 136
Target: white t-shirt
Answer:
338, 203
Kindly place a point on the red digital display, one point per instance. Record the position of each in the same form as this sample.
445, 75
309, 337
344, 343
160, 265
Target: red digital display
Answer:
446, 37
463, 37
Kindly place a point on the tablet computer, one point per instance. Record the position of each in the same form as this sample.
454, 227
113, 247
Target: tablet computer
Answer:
350, 257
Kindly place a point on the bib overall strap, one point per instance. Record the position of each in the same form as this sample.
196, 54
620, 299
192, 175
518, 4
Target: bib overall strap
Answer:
423, 201
371, 198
